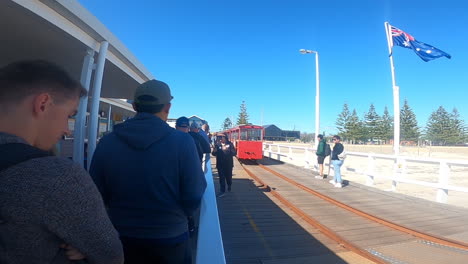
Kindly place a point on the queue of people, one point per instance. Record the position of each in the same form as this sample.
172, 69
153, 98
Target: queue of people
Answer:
144, 183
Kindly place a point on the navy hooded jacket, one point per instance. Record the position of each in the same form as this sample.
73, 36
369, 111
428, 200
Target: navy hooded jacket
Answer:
150, 177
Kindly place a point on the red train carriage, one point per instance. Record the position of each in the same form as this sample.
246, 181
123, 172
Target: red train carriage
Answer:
248, 141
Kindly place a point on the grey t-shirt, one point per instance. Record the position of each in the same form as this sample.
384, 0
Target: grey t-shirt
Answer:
47, 201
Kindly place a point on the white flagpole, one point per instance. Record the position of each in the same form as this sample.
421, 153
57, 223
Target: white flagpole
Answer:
396, 94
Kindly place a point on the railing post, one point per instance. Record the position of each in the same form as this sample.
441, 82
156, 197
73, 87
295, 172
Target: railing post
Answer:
399, 171
269, 151
370, 170
278, 152
290, 153
444, 174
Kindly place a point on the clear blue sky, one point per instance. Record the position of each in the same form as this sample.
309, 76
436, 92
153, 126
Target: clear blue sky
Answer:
216, 54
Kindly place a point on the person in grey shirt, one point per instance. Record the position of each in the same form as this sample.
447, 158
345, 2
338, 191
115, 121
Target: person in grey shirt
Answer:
50, 209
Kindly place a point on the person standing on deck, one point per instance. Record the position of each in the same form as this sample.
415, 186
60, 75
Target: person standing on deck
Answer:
205, 132
224, 151
320, 155
151, 180
336, 161
183, 124
199, 139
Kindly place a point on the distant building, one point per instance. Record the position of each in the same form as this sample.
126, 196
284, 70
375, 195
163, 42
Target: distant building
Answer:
198, 120
274, 133
289, 134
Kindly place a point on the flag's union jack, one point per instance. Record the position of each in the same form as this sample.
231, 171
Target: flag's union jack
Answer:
401, 38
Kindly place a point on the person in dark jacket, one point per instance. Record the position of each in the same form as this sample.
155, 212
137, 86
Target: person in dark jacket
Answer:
224, 151
336, 151
150, 178
46, 201
183, 124
203, 144
320, 155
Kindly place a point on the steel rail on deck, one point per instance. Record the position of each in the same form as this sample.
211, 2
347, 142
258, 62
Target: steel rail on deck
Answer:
310, 220
398, 227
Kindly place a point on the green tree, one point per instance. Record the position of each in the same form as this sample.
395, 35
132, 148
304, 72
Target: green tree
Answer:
307, 137
385, 126
355, 128
409, 129
342, 122
227, 123
438, 126
243, 117
445, 128
458, 129
371, 123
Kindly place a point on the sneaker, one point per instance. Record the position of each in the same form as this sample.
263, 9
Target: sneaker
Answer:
229, 188
332, 182
221, 194
318, 177
338, 185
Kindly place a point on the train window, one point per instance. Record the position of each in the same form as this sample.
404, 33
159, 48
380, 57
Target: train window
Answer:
251, 134
235, 135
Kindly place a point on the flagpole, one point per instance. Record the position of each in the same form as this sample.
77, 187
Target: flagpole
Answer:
396, 94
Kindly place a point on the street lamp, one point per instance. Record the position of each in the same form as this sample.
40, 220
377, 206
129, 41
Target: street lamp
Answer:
317, 92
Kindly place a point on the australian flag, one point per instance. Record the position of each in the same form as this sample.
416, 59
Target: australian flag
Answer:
425, 51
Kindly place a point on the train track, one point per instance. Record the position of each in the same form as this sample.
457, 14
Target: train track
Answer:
274, 181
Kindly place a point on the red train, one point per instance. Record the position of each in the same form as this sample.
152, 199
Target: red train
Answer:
248, 141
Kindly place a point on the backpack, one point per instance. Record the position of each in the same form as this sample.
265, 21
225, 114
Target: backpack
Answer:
342, 155
327, 150
15, 153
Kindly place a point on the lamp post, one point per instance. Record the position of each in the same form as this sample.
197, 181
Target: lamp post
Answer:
317, 93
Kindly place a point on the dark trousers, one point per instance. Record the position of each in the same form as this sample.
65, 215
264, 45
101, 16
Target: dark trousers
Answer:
225, 176
145, 251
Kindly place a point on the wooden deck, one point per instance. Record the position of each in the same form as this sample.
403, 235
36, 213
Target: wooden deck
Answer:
256, 228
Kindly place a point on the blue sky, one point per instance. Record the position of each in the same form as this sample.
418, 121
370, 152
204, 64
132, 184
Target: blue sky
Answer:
216, 54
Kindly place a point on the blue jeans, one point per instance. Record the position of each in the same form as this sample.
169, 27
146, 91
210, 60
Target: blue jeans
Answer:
337, 167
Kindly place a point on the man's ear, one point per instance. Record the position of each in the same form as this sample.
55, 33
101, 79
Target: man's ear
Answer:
41, 103
167, 107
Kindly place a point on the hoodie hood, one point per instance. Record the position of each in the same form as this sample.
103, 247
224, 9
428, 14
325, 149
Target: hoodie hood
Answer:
143, 130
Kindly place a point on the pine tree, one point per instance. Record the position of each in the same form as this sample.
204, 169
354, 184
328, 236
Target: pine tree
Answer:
438, 127
243, 117
371, 123
227, 123
342, 122
408, 124
457, 127
354, 127
385, 127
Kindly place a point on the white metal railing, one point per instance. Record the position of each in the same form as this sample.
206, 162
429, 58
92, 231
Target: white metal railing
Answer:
399, 167
210, 243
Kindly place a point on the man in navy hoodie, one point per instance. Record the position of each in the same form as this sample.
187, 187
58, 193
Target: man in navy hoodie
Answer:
150, 178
